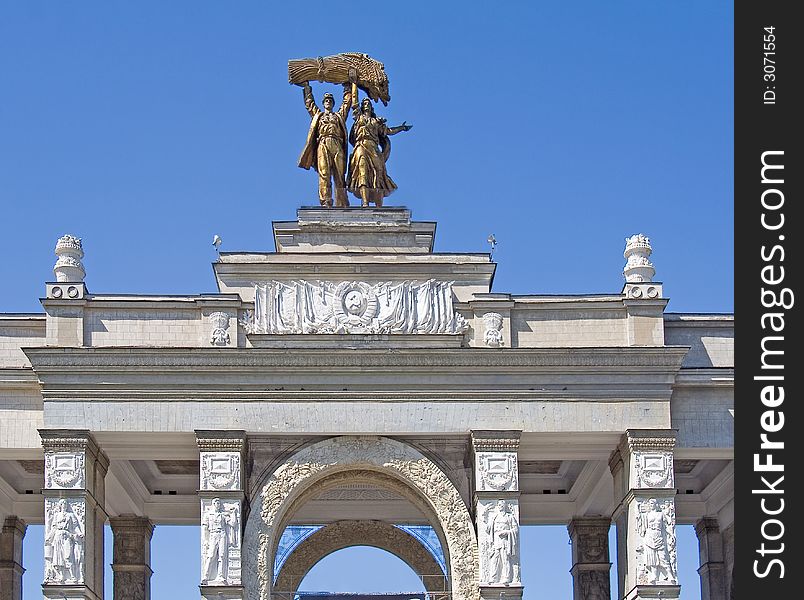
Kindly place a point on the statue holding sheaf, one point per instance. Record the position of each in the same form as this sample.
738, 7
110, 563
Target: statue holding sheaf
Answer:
326, 147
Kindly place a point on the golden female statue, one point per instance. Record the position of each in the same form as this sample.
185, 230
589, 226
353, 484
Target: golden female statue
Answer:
368, 178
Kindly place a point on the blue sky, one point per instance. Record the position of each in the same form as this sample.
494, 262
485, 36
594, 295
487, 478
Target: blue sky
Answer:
561, 127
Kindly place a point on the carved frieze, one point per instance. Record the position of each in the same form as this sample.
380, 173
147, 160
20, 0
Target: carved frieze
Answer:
327, 307
220, 470
496, 471
655, 544
498, 541
65, 527
65, 470
220, 541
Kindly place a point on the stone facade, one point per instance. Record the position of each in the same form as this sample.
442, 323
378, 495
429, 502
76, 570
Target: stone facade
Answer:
407, 392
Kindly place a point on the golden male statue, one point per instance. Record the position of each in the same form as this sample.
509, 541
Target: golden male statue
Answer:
326, 149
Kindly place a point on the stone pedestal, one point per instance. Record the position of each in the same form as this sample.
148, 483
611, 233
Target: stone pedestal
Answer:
712, 569
590, 558
642, 467
74, 492
496, 478
132, 557
222, 456
11, 570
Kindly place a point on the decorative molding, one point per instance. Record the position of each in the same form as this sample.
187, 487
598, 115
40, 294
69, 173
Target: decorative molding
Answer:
217, 442
495, 441
329, 307
646, 440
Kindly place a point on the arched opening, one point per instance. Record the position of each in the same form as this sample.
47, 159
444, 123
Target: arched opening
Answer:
382, 462
362, 570
416, 546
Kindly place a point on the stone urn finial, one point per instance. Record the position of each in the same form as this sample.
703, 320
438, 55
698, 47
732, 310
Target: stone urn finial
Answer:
68, 267
638, 268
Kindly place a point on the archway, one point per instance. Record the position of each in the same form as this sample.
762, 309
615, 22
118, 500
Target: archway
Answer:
386, 462
343, 534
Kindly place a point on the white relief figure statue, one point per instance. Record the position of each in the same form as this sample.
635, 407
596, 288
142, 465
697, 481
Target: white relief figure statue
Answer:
655, 527
64, 546
503, 532
493, 336
219, 532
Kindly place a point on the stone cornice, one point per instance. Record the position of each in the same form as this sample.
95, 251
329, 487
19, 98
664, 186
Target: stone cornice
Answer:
404, 374
667, 359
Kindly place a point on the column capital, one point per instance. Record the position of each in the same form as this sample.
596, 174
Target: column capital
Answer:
221, 440
496, 440
646, 440
14, 524
132, 522
588, 525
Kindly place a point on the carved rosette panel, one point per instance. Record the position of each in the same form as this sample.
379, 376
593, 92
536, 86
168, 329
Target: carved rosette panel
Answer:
65, 470
220, 541
65, 527
652, 470
655, 541
387, 458
496, 472
498, 540
220, 470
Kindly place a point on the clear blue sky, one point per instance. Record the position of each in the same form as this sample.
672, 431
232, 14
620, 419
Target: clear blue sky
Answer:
561, 127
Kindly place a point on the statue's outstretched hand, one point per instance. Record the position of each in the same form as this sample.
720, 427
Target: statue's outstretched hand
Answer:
405, 126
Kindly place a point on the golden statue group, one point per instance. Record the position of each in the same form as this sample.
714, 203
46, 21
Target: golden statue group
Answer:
364, 173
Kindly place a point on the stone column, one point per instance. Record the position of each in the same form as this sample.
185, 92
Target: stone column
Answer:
222, 456
642, 467
131, 562
497, 513
74, 492
11, 570
590, 558
727, 535
712, 569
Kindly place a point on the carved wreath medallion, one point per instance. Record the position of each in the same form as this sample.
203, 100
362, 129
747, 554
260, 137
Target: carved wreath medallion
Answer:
64, 470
